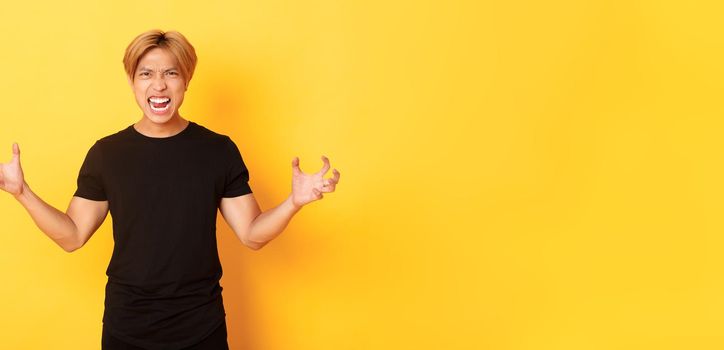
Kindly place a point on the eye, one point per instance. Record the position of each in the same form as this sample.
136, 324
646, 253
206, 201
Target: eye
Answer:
144, 73
172, 73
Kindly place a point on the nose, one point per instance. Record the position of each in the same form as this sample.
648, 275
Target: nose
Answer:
159, 83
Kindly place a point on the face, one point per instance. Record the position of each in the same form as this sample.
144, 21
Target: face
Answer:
158, 86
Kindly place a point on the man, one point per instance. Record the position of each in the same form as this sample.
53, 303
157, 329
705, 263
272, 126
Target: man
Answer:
163, 179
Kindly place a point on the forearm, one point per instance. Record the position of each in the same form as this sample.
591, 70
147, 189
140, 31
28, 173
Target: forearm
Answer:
270, 224
54, 223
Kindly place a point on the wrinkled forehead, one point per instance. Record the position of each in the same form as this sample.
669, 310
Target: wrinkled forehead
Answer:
158, 59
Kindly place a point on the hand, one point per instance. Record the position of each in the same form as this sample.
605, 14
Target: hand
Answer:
309, 187
11, 174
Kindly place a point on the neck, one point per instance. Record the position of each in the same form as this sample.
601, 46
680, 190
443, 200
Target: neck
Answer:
171, 127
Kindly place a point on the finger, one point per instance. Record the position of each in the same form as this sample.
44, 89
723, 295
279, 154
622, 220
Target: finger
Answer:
317, 193
295, 166
325, 167
325, 184
332, 180
328, 188
336, 176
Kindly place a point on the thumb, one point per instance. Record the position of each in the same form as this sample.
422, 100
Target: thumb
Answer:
16, 151
295, 166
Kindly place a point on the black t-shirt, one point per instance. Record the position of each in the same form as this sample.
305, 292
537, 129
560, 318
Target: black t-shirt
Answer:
163, 289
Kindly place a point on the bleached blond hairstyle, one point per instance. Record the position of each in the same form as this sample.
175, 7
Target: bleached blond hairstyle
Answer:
172, 41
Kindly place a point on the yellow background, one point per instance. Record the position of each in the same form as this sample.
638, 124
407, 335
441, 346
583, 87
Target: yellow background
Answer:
514, 174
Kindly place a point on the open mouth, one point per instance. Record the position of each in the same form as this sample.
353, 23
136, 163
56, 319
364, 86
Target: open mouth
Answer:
159, 104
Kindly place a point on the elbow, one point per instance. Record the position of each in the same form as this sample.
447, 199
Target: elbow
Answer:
254, 245
70, 241
245, 238
71, 245
70, 249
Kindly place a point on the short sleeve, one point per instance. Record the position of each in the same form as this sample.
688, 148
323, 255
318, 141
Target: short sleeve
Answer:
237, 176
90, 182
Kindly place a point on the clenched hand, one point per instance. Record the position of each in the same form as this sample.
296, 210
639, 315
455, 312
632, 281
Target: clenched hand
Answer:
309, 187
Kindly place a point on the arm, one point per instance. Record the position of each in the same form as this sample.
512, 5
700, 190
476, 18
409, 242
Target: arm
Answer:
69, 230
256, 228
253, 227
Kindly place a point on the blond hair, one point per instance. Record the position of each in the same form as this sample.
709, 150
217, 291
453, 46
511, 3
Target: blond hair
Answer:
172, 41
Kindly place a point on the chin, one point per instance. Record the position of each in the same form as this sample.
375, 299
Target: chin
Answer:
159, 119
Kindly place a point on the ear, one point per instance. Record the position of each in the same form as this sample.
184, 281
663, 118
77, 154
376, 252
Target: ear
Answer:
130, 82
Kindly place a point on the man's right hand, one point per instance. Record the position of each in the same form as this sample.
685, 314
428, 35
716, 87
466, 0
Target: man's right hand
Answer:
11, 174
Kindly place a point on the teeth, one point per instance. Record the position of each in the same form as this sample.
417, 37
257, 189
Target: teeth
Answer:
159, 109
159, 100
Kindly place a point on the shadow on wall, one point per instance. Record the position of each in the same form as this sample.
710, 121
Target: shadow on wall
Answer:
225, 107
230, 105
